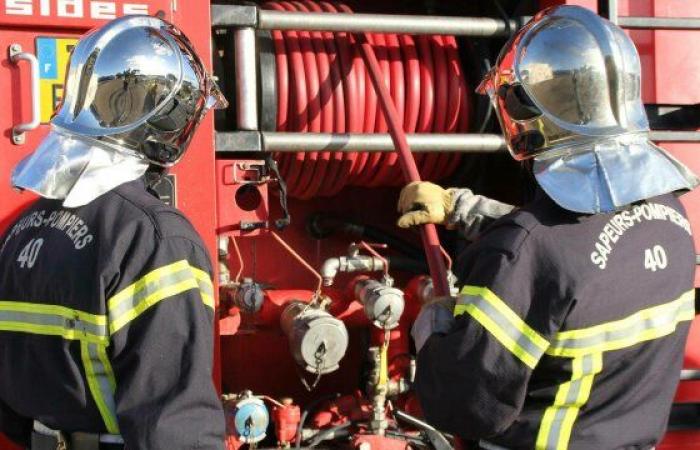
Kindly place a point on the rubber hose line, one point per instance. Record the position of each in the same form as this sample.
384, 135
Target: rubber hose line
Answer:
308, 106
324, 86
462, 114
385, 174
333, 182
426, 116
297, 98
412, 95
451, 106
314, 51
440, 64
380, 125
358, 68
353, 121
283, 90
344, 161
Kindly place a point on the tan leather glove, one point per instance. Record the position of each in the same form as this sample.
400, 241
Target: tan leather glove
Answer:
422, 202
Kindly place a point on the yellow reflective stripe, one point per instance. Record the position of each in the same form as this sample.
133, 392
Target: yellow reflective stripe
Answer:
504, 309
109, 372
498, 333
168, 291
206, 287
56, 310
101, 387
207, 299
647, 324
52, 320
52, 330
155, 286
504, 324
133, 289
558, 419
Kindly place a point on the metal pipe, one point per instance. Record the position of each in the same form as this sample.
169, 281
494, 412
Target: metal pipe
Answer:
613, 12
675, 136
368, 142
386, 23
659, 23
246, 79
348, 264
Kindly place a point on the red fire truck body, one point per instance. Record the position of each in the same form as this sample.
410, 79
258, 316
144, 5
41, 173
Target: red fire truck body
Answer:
232, 197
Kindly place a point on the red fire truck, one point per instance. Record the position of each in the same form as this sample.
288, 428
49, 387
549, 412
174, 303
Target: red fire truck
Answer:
293, 187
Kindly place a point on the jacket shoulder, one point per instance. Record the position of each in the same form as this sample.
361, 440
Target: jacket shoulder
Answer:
137, 204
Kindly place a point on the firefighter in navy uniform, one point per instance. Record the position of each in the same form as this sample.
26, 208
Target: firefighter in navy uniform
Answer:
570, 327
106, 297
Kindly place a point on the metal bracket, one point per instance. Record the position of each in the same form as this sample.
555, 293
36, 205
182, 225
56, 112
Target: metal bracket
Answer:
234, 16
257, 168
237, 142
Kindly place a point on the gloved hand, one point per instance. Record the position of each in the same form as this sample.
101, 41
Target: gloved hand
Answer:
422, 202
435, 317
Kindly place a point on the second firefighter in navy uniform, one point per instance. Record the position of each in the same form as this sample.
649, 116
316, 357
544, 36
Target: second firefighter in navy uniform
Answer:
573, 312
106, 295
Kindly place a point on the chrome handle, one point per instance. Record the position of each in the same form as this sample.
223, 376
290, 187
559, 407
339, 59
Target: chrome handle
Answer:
17, 55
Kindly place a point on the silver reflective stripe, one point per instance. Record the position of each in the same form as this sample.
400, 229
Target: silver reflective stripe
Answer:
504, 324
100, 378
205, 285
53, 320
558, 420
647, 324
575, 389
150, 288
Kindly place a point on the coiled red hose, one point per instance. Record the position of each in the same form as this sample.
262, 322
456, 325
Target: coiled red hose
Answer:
322, 86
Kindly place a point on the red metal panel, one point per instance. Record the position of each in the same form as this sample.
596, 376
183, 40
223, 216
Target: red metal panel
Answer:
196, 172
590, 4
688, 153
82, 14
677, 58
194, 175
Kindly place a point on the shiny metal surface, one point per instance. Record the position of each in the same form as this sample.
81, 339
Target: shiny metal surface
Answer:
384, 23
579, 70
75, 169
376, 142
246, 79
567, 91
135, 92
659, 23
137, 83
610, 174
17, 55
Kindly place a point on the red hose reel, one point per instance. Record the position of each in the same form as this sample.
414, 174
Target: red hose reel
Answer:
322, 86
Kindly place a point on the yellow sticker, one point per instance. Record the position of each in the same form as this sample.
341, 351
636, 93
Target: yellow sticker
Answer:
53, 55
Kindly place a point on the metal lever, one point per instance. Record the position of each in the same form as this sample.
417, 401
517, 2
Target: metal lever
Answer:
17, 55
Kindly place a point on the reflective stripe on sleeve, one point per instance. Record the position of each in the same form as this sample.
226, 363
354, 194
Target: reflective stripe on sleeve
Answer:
100, 379
206, 288
71, 324
558, 419
503, 323
157, 285
52, 320
644, 325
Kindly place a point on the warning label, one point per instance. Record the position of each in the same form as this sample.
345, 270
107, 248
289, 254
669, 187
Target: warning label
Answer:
53, 54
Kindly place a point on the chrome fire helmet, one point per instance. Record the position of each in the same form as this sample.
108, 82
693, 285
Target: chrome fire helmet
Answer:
135, 93
567, 91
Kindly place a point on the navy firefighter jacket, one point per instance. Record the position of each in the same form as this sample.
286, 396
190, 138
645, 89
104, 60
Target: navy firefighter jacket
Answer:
106, 323
570, 330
